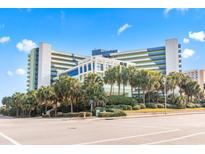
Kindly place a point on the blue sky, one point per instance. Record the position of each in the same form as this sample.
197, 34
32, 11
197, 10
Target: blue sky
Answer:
81, 30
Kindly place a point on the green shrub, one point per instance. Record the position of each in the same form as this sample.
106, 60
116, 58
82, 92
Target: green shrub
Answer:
142, 106
181, 106
45, 116
129, 107
118, 100
197, 105
136, 107
190, 105
159, 105
88, 114
151, 105
116, 113
71, 114
171, 106
203, 105
121, 107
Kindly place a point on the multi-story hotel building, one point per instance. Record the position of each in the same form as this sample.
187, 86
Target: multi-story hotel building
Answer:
45, 64
165, 59
197, 75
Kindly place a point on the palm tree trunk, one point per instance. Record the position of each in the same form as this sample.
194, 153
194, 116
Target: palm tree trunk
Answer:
118, 89
17, 112
123, 89
131, 91
71, 107
111, 89
143, 97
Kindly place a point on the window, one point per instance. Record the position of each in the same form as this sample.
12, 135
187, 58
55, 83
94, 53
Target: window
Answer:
81, 69
73, 72
99, 67
89, 67
85, 68
93, 66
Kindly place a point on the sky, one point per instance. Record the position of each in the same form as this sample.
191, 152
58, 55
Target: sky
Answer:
81, 30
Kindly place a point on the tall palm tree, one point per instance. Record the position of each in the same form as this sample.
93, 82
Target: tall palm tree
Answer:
124, 75
133, 78
17, 99
118, 76
109, 78
144, 79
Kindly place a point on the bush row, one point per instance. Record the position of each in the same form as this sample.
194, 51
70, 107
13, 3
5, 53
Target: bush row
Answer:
77, 114
112, 113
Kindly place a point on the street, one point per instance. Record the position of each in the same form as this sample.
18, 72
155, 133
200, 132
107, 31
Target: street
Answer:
161, 130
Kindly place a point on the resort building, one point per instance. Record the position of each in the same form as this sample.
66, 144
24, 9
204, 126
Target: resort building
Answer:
98, 65
45, 64
165, 58
197, 75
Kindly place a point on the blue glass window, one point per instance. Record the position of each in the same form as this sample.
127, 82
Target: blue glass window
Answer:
73, 72
81, 69
85, 68
89, 66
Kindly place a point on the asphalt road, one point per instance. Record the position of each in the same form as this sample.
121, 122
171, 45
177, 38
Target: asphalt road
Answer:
163, 130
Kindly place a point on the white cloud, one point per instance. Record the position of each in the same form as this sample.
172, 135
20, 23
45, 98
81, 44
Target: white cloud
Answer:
187, 53
9, 73
186, 40
198, 36
26, 45
123, 28
20, 71
168, 10
4, 39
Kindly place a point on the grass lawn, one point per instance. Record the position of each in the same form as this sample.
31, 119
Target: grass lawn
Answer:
159, 110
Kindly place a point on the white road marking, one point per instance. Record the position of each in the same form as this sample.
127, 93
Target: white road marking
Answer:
128, 137
9, 139
175, 139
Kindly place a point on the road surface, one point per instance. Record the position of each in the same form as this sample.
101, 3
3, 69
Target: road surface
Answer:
161, 130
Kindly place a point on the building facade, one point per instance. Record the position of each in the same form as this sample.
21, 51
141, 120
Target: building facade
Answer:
165, 59
98, 65
197, 75
44, 64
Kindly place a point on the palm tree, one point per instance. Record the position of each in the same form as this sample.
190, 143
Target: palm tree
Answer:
17, 99
75, 92
93, 86
133, 78
44, 96
124, 75
118, 76
109, 78
144, 79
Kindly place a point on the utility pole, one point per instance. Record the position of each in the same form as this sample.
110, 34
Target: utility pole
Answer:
165, 95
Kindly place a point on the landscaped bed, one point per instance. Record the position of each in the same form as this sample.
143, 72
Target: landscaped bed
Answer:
162, 110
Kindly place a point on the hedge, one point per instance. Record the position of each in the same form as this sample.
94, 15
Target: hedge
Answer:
119, 100
121, 107
136, 107
159, 105
116, 113
142, 106
151, 105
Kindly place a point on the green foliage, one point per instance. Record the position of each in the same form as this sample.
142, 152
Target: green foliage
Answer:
171, 106
117, 100
151, 105
136, 107
160, 105
121, 107
116, 113
142, 106
71, 114
190, 105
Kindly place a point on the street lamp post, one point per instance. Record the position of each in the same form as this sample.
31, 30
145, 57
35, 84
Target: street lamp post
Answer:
165, 96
